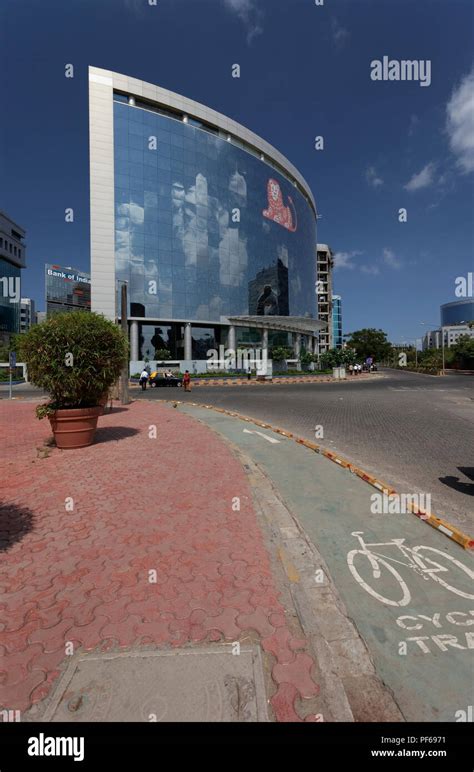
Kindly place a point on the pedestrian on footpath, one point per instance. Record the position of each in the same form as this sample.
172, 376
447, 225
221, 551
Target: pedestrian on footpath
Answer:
144, 379
351, 369
187, 381
249, 373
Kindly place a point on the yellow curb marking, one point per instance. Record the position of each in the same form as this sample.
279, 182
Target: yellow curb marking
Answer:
290, 569
438, 523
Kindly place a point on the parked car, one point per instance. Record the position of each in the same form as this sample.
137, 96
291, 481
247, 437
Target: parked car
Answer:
158, 379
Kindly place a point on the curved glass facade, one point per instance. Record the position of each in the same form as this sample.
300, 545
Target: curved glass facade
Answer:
203, 228
457, 312
10, 296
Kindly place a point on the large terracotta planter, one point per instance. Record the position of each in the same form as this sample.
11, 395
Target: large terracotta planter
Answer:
75, 428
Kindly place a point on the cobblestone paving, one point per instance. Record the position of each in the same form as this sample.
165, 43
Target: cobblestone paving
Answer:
139, 504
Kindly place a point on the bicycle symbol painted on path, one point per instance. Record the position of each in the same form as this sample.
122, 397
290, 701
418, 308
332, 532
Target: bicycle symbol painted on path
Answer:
422, 564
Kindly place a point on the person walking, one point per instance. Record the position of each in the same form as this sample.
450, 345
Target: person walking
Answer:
144, 379
249, 373
187, 381
351, 369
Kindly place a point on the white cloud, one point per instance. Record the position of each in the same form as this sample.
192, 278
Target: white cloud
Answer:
460, 123
249, 13
373, 270
372, 177
423, 179
390, 259
339, 33
344, 259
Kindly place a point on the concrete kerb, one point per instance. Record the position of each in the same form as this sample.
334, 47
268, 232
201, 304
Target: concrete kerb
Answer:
441, 525
340, 653
276, 380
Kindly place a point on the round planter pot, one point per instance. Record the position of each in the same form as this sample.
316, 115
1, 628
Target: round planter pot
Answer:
75, 428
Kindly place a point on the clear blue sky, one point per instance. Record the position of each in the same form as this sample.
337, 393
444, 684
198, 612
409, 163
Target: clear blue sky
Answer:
305, 71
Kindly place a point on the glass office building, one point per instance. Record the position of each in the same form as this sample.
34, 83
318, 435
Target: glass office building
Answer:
458, 312
337, 321
67, 289
12, 260
208, 222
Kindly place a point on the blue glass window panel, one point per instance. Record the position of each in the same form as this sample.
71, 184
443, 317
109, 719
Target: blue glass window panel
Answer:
176, 140
135, 142
164, 176
122, 180
136, 157
163, 163
150, 158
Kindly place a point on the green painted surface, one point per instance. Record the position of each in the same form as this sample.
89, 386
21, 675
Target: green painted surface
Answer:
434, 678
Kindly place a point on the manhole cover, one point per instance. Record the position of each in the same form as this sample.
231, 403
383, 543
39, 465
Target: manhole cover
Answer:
211, 684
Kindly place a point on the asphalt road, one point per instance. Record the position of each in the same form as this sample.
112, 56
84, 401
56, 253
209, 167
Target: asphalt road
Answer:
415, 432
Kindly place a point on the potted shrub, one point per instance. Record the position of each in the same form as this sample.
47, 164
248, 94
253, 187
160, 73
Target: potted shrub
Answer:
75, 357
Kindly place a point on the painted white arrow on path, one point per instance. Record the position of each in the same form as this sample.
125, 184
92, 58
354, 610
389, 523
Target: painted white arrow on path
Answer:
265, 436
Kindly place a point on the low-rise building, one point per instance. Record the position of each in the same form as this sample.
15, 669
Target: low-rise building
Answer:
27, 314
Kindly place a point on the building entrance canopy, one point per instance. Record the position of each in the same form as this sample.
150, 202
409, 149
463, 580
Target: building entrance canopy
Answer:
297, 324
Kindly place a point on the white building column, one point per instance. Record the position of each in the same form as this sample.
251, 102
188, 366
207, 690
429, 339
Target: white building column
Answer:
188, 342
297, 345
309, 344
134, 353
265, 344
231, 338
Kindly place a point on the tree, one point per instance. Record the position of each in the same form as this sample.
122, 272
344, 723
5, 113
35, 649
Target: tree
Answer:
306, 358
463, 352
338, 357
280, 353
370, 342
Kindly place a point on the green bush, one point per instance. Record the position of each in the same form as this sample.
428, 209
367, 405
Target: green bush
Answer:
338, 357
17, 374
306, 358
75, 356
280, 353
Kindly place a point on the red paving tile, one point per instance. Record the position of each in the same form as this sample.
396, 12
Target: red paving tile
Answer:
158, 509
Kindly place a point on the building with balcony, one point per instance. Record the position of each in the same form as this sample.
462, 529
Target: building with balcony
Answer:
324, 269
27, 314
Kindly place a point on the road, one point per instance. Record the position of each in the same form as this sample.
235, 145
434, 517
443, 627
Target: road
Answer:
414, 432
414, 617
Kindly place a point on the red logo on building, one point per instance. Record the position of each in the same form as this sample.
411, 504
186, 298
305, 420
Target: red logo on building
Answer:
277, 211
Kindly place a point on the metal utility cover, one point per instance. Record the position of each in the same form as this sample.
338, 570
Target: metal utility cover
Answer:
209, 684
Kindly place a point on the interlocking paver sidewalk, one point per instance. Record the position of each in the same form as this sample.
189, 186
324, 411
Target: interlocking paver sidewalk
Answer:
138, 504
